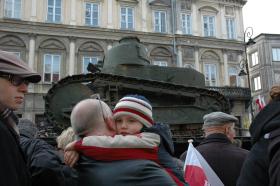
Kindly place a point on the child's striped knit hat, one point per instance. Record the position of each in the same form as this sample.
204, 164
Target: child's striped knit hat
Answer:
135, 106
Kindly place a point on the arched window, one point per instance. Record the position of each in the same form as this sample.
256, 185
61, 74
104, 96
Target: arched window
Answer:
53, 55
89, 52
161, 56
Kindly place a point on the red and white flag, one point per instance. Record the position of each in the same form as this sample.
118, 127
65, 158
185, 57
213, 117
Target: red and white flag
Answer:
197, 170
260, 102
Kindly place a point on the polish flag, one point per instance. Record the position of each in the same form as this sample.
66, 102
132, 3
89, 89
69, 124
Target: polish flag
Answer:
197, 171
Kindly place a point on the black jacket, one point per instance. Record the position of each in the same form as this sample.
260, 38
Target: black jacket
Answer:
121, 173
13, 170
223, 157
45, 165
166, 149
262, 167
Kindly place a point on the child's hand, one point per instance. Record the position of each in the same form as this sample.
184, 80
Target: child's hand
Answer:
71, 157
70, 146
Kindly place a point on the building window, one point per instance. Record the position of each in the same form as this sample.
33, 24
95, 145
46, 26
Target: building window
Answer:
275, 54
92, 14
13, 9
186, 23
257, 83
230, 28
234, 79
255, 58
160, 63
54, 11
127, 18
52, 67
209, 26
87, 60
160, 21
210, 72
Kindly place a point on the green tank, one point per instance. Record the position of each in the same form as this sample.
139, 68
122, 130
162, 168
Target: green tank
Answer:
178, 95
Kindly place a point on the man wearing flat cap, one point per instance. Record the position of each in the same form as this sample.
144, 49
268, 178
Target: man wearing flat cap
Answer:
222, 155
15, 76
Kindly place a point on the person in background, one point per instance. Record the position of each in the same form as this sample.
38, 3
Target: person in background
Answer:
67, 136
262, 166
221, 154
93, 117
15, 75
43, 161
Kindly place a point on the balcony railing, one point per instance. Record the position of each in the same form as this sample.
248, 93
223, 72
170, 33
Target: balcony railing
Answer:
233, 93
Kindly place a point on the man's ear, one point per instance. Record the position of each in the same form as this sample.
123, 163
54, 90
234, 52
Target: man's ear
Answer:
110, 123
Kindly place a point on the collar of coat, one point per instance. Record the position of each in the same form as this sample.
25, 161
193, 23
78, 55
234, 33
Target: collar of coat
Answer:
218, 137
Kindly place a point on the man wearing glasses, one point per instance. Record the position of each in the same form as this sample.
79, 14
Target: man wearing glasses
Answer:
15, 75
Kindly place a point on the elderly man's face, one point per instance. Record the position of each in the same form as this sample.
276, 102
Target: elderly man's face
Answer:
11, 96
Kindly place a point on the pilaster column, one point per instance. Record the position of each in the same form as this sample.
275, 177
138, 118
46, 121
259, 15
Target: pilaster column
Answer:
31, 54
144, 15
195, 22
110, 14
33, 16
180, 57
196, 58
72, 56
73, 12
239, 21
226, 78
223, 23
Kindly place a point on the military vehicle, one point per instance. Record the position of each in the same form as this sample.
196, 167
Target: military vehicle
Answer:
178, 95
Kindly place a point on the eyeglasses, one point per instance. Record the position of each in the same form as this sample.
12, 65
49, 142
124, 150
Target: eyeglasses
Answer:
97, 96
15, 80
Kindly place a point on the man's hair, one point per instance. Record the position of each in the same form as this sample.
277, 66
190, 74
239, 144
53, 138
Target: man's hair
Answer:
88, 115
275, 92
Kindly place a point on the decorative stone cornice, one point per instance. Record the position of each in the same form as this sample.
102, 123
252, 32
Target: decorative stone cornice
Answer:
129, 1
160, 3
83, 32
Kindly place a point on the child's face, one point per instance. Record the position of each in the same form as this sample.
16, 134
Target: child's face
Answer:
128, 125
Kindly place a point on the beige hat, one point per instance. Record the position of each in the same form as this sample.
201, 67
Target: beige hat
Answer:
11, 64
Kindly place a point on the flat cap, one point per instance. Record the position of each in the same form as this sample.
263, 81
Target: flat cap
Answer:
218, 119
11, 64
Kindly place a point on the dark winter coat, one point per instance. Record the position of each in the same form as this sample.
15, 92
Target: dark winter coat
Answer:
13, 170
262, 166
121, 173
45, 165
223, 157
166, 149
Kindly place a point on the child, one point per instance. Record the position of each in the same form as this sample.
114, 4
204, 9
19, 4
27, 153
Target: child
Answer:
134, 121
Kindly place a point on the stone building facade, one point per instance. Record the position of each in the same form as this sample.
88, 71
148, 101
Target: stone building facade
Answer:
58, 38
264, 65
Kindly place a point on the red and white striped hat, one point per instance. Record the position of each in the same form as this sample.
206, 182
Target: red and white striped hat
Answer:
137, 107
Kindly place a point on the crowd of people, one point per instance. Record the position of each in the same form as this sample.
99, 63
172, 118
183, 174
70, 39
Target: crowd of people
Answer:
125, 146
